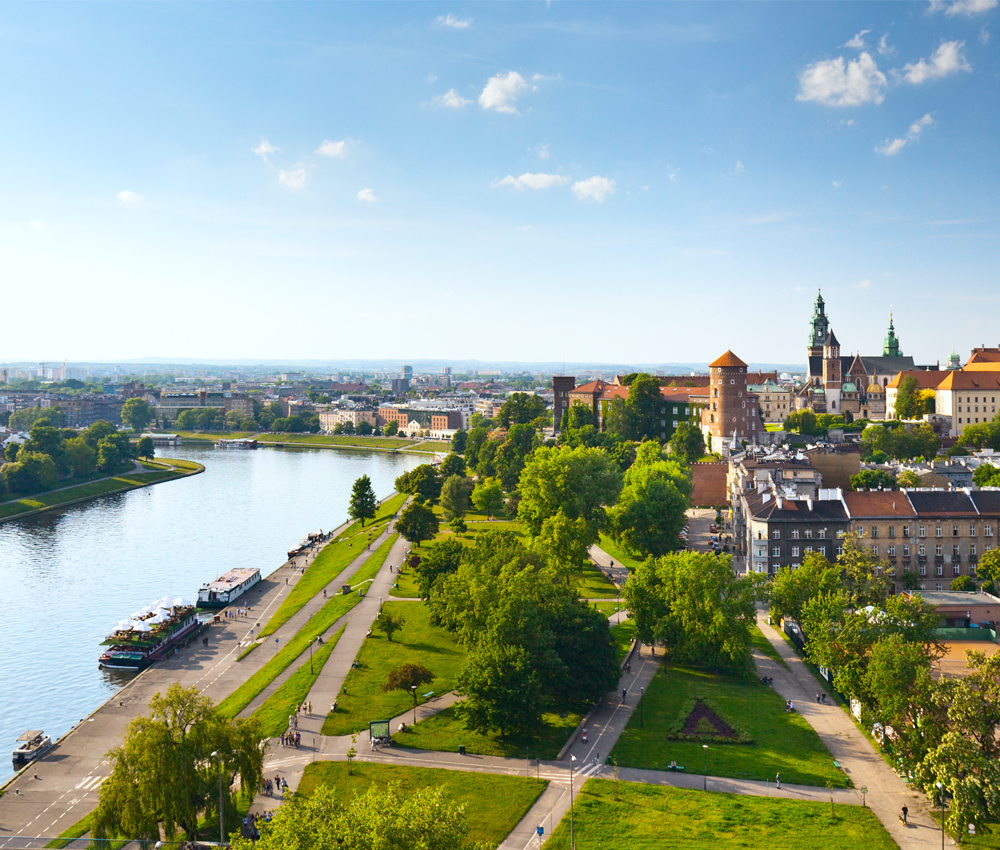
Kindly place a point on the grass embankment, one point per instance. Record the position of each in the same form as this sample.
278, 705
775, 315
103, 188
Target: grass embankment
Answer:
330, 562
418, 642
656, 817
591, 583
762, 644
213, 436
622, 634
320, 622
67, 836
92, 489
617, 554
493, 804
273, 714
432, 446
336, 440
407, 586
444, 732
606, 608
782, 742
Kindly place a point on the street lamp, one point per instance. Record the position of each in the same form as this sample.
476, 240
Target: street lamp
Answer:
642, 693
706, 766
572, 840
413, 690
222, 832
941, 789
310, 656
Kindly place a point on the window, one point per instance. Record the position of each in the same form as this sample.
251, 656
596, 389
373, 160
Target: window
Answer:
840, 551
972, 549
922, 531
675, 410
821, 550
875, 551
809, 549
809, 534
956, 551
890, 551
954, 531
861, 531
938, 586
906, 531
795, 551
776, 534
892, 531
922, 550
795, 534
988, 530
937, 531
937, 551
776, 551
939, 570
822, 534
923, 569
874, 532
956, 569
972, 531
906, 551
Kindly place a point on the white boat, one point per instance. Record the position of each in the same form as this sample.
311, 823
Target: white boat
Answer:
228, 587
31, 745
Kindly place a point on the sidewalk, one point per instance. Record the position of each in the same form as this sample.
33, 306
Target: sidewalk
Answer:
887, 792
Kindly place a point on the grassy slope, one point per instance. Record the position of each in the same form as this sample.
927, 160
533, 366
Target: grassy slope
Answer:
418, 642
493, 804
651, 817
764, 645
622, 635
618, 555
432, 446
783, 742
593, 584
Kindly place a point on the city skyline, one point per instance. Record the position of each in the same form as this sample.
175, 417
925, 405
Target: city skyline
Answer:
457, 181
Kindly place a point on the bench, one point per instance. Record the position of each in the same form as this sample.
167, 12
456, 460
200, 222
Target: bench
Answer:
675, 768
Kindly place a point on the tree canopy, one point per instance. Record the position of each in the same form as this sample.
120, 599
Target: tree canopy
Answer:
417, 523
137, 414
520, 409
363, 503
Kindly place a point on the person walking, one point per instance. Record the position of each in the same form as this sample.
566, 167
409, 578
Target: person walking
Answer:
905, 811
777, 780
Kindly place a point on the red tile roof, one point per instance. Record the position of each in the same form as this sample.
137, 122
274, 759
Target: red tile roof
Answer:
878, 503
727, 360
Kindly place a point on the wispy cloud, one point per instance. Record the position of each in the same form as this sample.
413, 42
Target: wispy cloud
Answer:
452, 99
884, 48
502, 91
984, 35
768, 218
294, 179
673, 177
543, 151
454, 23
127, 197
334, 149
532, 181
862, 284
858, 42
594, 189
891, 148
962, 7
739, 167
368, 196
834, 82
263, 149
837, 184
947, 59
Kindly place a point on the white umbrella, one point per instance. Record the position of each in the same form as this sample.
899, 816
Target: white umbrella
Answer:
181, 602
154, 621
123, 626
141, 626
165, 613
138, 614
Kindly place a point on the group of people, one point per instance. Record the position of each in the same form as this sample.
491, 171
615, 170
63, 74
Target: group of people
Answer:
789, 706
291, 739
237, 612
821, 698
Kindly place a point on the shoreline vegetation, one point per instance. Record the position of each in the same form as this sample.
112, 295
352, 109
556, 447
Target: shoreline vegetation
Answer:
320, 441
154, 471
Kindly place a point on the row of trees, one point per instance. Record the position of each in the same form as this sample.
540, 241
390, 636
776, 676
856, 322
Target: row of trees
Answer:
981, 435
880, 443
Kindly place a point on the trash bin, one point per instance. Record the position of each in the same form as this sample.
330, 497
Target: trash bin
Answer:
461, 749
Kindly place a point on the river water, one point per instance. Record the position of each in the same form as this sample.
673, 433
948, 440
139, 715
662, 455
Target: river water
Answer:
68, 576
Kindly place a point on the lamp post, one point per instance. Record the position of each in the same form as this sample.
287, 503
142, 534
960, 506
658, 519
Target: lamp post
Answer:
642, 693
310, 656
941, 790
413, 690
572, 839
706, 766
222, 829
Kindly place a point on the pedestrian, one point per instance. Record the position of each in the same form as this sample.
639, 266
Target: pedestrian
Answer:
777, 780
817, 698
282, 739
906, 811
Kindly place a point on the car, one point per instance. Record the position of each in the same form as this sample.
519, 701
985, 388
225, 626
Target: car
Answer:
713, 528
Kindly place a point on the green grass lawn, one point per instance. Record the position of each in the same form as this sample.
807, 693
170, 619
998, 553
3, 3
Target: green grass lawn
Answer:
783, 742
606, 608
336, 440
591, 583
273, 714
617, 554
407, 585
432, 446
418, 642
493, 804
213, 436
764, 645
656, 817
445, 732
622, 635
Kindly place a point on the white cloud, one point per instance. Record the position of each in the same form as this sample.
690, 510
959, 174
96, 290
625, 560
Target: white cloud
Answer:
834, 83
947, 59
263, 149
884, 48
501, 91
836, 184
863, 284
335, 149
543, 152
368, 196
673, 177
858, 42
896, 145
454, 23
594, 188
984, 35
452, 99
432, 78
739, 167
532, 181
545, 78
849, 122
128, 197
963, 7
294, 179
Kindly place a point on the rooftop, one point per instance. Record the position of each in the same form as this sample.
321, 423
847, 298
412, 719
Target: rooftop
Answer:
727, 360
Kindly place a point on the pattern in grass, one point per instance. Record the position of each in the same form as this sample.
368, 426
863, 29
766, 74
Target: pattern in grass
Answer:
622, 634
418, 642
656, 817
331, 562
445, 732
273, 714
493, 804
335, 440
318, 624
617, 554
783, 742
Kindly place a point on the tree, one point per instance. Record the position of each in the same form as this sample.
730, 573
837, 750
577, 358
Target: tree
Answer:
458, 440
502, 692
645, 402
908, 402
453, 464
488, 497
391, 429
363, 503
422, 481
619, 419
510, 455
865, 576
424, 819
165, 775
687, 442
476, 439
23, 420
908, 479
145, 448
986, 475
582, 482
441, 560
562, 542
114, 452
455, 495
873, 479
988, 568
80, 457
389, 624
963, 583
364, 428
790, 589
407, 678
417, 523
137, 414
32, 473
520, 408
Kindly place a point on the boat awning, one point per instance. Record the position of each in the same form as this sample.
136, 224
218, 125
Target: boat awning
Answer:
30, 735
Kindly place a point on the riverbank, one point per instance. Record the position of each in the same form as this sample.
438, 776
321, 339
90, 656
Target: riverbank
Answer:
155, 472
391, 445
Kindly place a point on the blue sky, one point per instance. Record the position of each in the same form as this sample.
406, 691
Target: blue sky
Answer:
619, 182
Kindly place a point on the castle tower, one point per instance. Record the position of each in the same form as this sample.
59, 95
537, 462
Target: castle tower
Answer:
890, 348
819, 329
730, 409
832, 373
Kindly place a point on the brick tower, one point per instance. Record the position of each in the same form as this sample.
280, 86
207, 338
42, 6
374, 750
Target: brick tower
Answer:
731, 409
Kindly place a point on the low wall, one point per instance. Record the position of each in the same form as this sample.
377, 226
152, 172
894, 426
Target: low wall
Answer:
966, 634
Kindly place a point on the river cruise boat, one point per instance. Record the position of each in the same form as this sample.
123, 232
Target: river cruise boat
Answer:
228, 587
244, 443
149, 635
30, 746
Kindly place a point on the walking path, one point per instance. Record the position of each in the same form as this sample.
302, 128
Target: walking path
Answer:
887, 792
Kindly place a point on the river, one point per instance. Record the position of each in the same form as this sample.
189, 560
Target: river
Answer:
68, 576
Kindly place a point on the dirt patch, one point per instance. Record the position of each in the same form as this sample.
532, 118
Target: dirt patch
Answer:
703, 721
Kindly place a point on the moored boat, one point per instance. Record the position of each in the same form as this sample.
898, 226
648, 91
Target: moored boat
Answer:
228, 587
30, 746
149, 635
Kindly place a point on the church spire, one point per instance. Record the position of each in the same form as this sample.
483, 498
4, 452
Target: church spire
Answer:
819, 325
890, 348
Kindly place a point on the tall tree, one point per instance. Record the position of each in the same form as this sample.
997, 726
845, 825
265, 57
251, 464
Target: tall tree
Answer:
488, 497
145, 447
647, 406
502, 692
453, 464
458, 440
908, 402
455, 495
137, 414
790, 588
389, 624
687, 442
520, 408
441, 560
363, 503
417, 523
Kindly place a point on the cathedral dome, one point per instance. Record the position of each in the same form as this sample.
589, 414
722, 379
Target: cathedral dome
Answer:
875, 387
849, 388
